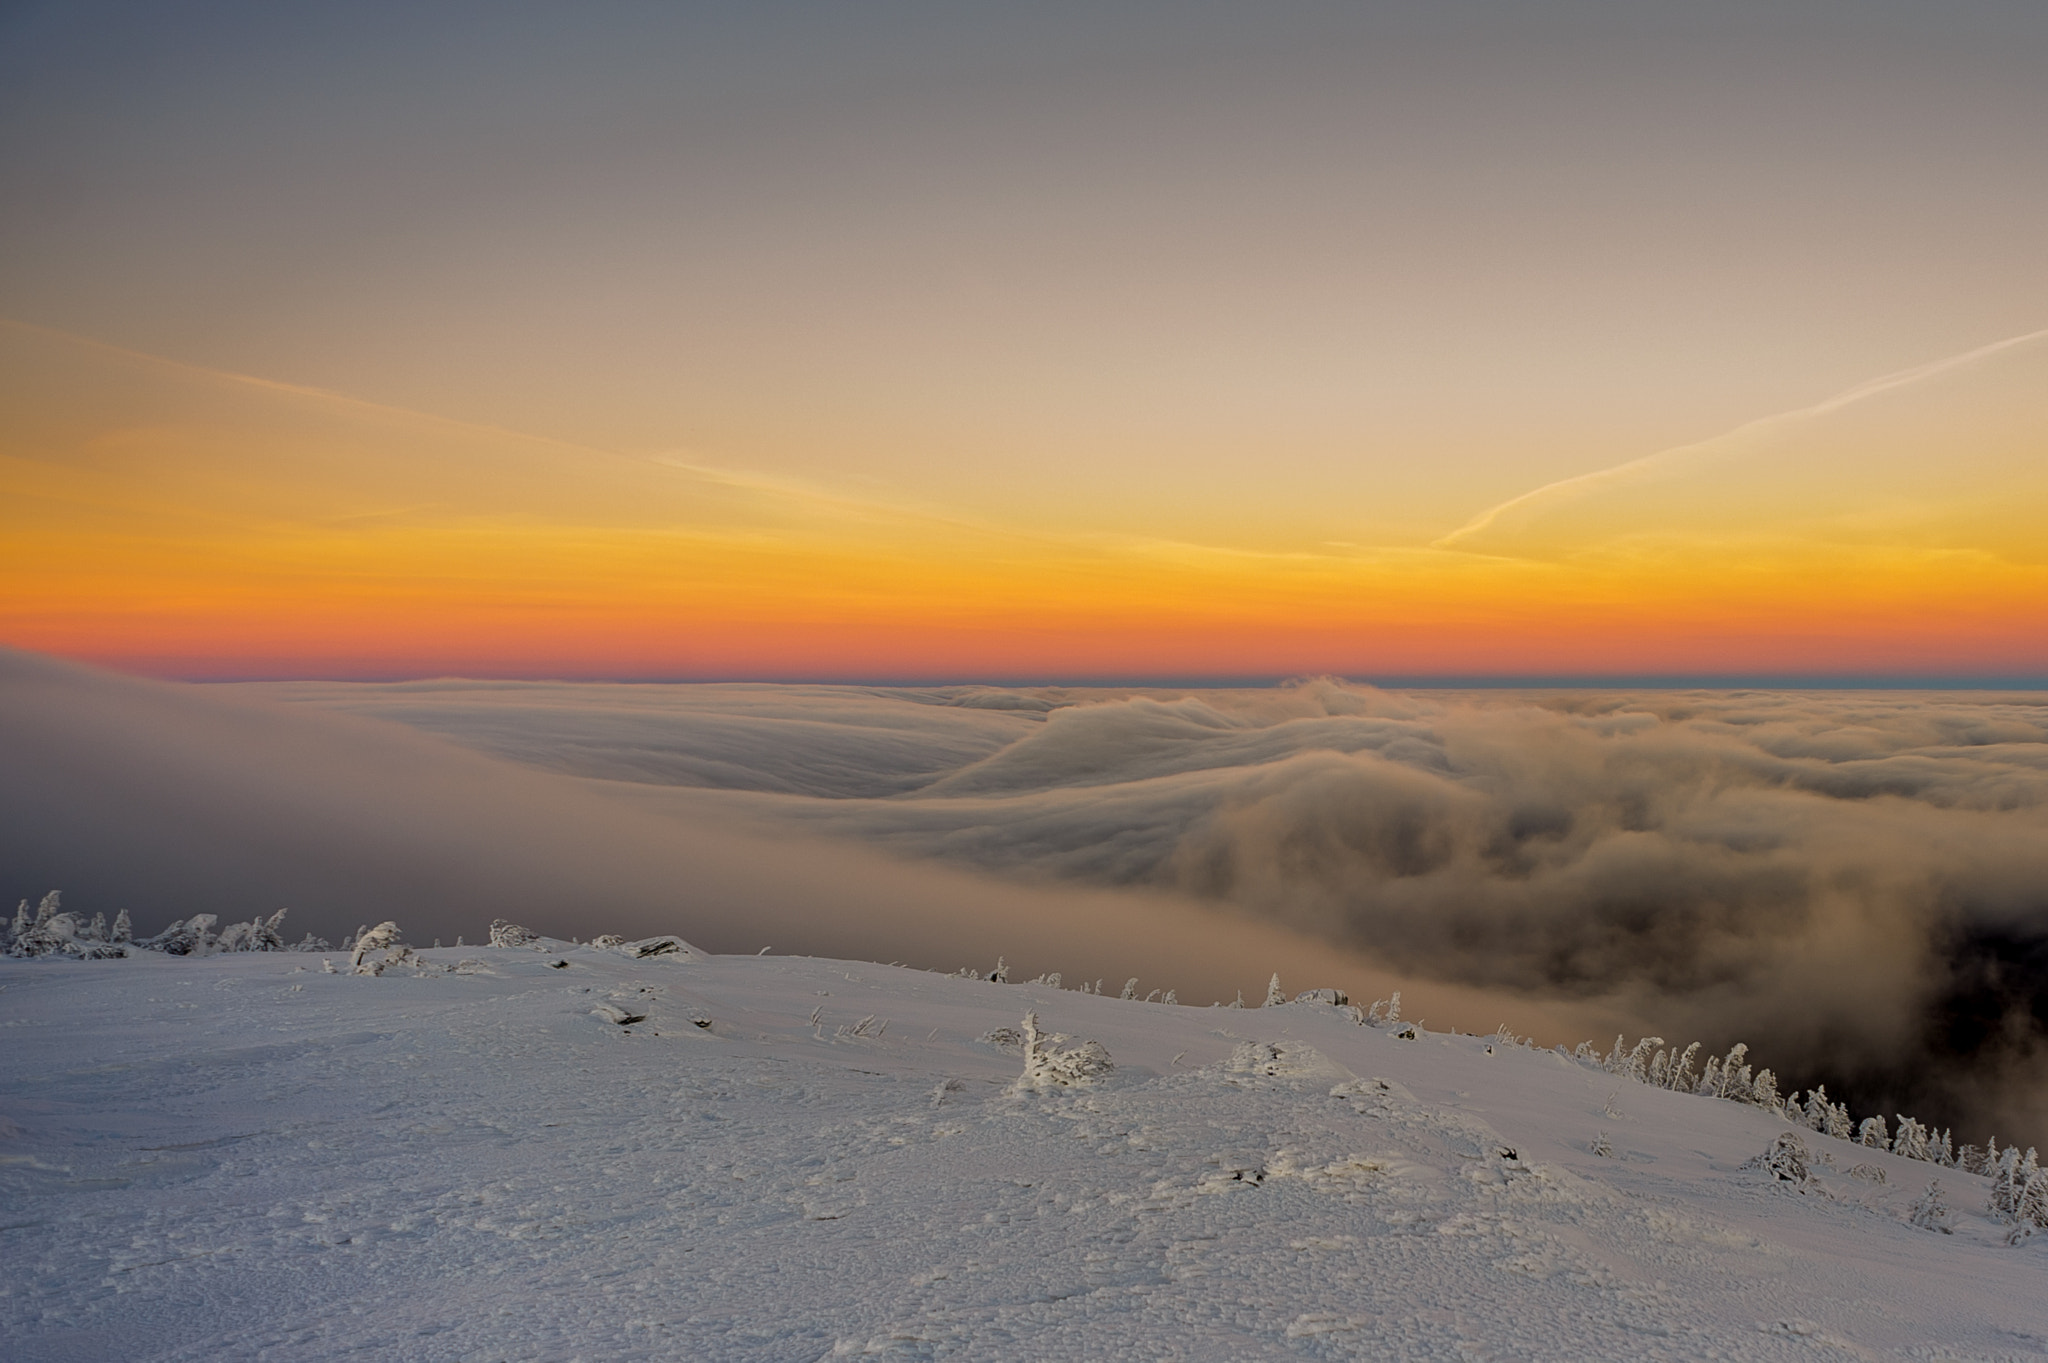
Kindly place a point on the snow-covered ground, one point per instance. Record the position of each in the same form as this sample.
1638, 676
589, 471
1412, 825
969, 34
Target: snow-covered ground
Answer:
242, 1156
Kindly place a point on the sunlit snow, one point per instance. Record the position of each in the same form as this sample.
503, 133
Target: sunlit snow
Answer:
548, 1151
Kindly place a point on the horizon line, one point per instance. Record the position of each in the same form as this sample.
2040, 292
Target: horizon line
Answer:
1534, 681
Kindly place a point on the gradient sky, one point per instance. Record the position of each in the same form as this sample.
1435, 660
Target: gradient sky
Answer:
1048, 340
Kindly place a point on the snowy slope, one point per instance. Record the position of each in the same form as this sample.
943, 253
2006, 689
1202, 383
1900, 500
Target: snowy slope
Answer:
243, 1157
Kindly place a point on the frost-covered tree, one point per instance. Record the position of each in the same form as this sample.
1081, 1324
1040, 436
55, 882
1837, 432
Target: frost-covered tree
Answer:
1679, 1074
1873, 1134
1763, 1091
2003, 1181
1171, 997
123, 932
380, 938
1001, 974
1731, 1075
1710, 1078
2030, 1197
1635, 1063
1911, 1140
1274, 996
1130, 990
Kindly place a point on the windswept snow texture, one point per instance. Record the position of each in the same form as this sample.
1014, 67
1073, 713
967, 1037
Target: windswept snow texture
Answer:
1855, 883
772, 1159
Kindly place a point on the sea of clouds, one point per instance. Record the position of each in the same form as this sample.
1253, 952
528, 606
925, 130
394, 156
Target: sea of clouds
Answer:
1855, 883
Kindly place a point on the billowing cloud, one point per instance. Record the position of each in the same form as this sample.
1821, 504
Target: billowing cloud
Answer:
1854, 882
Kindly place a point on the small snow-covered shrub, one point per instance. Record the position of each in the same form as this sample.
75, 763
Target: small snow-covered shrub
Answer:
1049, 1064
1784, 1161
187, 937
648, 947
1336, 997
504, 934
1930, 1212
258, 934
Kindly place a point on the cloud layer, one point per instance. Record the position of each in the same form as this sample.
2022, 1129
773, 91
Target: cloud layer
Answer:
1855, 883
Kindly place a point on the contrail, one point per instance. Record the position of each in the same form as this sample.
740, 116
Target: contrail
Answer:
1869, 388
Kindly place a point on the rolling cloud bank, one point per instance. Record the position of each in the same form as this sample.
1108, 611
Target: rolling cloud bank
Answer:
1854, 883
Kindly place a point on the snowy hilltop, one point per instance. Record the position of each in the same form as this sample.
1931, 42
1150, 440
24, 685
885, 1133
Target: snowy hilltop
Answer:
534, 1149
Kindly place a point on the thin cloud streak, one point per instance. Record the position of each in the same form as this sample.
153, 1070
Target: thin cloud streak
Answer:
1584, 483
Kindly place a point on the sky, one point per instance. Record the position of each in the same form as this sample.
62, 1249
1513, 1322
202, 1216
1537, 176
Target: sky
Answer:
1033, 343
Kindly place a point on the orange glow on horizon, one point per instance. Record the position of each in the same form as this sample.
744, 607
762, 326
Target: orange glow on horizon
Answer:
223, 527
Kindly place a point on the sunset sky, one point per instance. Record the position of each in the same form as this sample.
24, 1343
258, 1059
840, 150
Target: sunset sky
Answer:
1026, 342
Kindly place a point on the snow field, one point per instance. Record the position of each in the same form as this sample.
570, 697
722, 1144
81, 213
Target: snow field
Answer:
243, 1157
